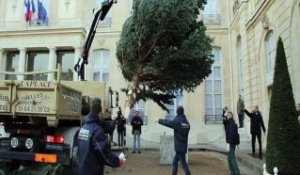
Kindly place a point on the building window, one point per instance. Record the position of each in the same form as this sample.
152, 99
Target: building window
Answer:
241, 65
211, 13
211, 7
66, 60
271, 51
12, 62
101, 65
270, 54
213, 91
37, 61
108, 17
177, 101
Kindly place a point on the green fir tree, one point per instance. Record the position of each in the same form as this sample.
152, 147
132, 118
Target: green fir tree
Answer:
283, 144
164, 49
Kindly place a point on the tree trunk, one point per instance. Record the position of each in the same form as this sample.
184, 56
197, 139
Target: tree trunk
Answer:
131, 95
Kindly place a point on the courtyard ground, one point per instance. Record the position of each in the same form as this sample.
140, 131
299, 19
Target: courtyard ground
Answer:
200, 163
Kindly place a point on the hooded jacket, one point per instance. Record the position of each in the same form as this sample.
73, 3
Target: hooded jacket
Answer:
93, 148
181, 128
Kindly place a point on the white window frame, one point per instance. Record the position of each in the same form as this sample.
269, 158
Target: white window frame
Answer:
40, 57
270, 55
213, 93
108, 18
241, 65
177, 101
212, 7
270, 51
104, 65
67, 67
12, 59
211, 13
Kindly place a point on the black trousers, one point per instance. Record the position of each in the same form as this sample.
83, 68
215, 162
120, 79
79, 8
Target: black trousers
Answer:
258, 135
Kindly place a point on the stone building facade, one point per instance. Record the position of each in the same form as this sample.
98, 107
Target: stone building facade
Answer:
244, 32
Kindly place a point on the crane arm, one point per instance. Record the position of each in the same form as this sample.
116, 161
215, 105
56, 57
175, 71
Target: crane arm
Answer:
99, 14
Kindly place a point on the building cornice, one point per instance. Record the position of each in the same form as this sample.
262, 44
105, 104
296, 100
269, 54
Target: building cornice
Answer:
109, 33
217, 31
81, 31
237, 13
255, 16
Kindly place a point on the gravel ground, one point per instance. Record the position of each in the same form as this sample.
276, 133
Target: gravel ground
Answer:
147, 163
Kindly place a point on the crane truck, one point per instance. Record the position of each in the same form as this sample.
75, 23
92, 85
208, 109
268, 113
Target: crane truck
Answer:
39, 120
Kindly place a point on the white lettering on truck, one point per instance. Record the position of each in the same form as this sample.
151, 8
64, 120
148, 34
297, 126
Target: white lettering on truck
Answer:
4, 100
35, 84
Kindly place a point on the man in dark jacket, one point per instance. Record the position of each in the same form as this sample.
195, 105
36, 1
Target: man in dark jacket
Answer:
136, 124
257, 123
233, 139
120, 121
93, 147
181, 128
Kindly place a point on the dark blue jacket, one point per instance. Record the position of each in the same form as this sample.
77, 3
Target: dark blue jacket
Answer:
137, 123
120, 121
232, 135
181, 128
256, 122
93, 148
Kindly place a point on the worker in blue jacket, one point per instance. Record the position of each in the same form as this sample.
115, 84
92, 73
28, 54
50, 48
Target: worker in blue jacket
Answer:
181, 128
93, 146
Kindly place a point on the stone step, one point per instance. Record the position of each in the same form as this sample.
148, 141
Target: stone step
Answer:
244, 136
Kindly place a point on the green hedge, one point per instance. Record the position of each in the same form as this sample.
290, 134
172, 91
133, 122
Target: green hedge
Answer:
283, 143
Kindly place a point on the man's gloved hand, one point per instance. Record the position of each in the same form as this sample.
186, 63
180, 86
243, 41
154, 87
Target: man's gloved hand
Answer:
122, 156
227, 147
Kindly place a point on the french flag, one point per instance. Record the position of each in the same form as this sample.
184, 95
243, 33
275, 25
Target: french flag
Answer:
29, 10
42, 13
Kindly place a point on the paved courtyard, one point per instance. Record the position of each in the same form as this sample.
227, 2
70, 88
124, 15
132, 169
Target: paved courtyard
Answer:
147, 163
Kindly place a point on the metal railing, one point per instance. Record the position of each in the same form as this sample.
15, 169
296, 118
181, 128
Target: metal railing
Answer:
36, 75
39, 22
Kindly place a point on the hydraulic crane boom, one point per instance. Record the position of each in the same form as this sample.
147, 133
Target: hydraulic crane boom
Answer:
98, 15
